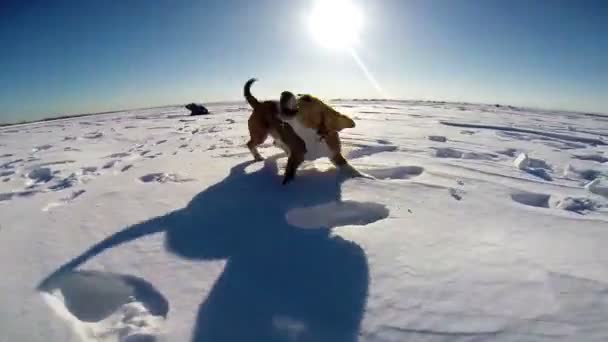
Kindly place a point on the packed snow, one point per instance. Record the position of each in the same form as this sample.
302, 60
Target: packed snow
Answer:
478, 223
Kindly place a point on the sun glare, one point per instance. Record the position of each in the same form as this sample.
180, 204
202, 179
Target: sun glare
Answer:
335, 23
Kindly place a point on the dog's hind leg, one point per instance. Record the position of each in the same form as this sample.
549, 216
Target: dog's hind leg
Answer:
258, 135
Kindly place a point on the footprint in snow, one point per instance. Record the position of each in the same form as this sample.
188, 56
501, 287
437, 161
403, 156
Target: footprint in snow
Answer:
93, 135
7, 173
368, 150
119, 155
161, 142
579, 205
87, 170
448, 152
118, 307
456, 194
399, 172
71, 149
42, 148
64, 200
161, 177
110, 164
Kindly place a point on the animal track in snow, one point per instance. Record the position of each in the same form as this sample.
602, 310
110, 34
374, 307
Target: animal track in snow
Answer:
6, 155
93, 135
335, 214
40, 175
102, 306
88, 170
10, 164
110, 164
438, 138
126, 167
368, 150
161, 177
64, 200
7, 196
161, 142
448, 152
71, 149
456, 194
511, 152
6, 173
65, 183
593, 157
119, 155
42, 148
398, 172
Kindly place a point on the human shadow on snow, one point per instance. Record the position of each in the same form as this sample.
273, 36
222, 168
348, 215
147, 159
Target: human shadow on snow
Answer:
280, 283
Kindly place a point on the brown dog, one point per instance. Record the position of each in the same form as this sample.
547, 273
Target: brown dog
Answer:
306, 129
318, 125
267, 119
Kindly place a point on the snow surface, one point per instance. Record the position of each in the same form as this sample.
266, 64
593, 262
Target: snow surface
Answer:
151, 225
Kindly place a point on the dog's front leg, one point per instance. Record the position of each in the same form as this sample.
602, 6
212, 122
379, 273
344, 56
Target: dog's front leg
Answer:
293, 162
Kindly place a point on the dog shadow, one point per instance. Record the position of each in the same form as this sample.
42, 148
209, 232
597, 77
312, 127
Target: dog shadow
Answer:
280, 282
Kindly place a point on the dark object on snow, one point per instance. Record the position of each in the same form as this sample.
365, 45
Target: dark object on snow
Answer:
197, 109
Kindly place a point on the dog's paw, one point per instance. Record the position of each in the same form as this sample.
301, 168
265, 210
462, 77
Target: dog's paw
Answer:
287, 179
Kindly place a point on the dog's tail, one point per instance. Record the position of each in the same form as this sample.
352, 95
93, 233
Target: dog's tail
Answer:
253, 102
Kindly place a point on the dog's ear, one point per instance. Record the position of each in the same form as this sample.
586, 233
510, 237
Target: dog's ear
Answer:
336, 121
345, 122
305, 97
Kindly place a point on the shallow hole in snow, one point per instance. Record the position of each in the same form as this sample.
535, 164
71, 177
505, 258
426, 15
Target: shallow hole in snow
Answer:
532, 199
399, 172
335, 214
104, 306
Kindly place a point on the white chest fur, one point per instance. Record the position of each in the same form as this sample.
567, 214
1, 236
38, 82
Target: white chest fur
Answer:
315, 147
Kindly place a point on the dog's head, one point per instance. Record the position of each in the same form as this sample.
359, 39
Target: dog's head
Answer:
314, 113
288, 105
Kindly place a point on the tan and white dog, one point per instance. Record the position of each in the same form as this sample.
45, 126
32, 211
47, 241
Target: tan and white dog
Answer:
306, 129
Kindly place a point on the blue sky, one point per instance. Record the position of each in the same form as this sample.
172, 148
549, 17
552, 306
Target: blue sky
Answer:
67, 57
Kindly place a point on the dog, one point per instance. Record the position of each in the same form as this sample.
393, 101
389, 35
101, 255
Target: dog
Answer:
305, 128
318, 124
267, 118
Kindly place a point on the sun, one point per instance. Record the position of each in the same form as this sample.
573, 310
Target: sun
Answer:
335, 23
